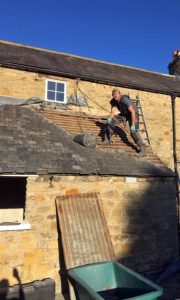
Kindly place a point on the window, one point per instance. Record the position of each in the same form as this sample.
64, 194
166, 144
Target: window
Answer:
13, 198
56, 91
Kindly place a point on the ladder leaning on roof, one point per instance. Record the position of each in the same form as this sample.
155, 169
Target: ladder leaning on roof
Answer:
142, 123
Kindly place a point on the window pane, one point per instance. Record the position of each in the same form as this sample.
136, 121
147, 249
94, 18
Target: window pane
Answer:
60, 97
51, 85
51, 95
60, 87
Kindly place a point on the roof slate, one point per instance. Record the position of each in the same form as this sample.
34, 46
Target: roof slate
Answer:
49, 62
30, 144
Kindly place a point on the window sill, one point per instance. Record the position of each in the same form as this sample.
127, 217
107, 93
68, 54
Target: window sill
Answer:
25, 226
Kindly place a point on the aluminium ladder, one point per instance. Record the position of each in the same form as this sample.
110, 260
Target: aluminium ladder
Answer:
141, 121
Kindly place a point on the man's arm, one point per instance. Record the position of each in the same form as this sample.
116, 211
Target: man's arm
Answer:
113, 112
133, 115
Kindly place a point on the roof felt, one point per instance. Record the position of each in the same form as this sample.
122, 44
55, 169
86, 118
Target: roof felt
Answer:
49, 62
30, 144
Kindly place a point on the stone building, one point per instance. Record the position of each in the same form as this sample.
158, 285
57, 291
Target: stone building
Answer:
46, 99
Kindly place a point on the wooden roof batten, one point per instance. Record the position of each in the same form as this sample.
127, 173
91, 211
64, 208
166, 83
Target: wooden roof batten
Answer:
76, 124
35, 144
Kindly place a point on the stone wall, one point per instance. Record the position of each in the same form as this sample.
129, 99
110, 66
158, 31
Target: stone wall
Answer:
157, 107
141, 220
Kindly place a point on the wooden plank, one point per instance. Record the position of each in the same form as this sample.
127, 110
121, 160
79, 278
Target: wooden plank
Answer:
14, 215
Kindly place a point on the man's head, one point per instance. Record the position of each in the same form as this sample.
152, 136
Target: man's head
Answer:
116, 94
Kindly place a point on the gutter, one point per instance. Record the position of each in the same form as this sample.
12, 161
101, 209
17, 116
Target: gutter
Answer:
86, 78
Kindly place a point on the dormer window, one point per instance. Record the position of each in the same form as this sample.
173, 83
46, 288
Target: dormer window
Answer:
55, 91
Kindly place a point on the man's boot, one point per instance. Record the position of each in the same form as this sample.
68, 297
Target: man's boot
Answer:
106, 139
141, 152
107, 136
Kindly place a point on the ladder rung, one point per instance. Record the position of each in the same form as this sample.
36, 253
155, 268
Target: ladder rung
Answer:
137, 102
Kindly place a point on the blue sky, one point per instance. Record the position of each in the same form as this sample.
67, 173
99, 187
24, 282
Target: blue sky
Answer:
137, 33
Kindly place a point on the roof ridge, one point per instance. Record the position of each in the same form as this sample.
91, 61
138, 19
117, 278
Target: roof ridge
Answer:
82, 57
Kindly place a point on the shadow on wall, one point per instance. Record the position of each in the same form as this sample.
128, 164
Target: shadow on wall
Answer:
149, 241
5, 288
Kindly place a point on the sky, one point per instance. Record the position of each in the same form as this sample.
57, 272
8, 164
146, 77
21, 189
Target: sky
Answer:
136, 33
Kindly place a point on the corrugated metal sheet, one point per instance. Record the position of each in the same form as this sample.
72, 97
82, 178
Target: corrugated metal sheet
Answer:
76, 124
85, 235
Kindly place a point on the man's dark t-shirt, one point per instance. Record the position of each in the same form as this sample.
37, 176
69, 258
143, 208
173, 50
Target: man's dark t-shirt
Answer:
123, 106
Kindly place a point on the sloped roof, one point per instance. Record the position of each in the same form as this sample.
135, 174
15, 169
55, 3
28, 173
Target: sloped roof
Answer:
77, 123
30, 144
49, 62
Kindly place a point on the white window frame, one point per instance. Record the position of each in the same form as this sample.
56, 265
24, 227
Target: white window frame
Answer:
46, 91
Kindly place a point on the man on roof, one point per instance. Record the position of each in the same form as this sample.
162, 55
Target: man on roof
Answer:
128, 113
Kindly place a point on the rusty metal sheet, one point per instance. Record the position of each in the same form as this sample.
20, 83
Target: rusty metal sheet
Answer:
85, 235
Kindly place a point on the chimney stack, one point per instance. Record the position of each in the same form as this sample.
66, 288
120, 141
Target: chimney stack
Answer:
174, 66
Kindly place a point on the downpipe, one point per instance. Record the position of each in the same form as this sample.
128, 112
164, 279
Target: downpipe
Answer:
173, 102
